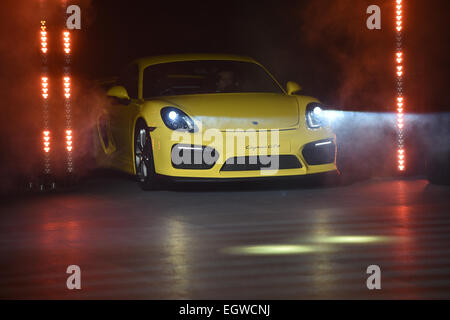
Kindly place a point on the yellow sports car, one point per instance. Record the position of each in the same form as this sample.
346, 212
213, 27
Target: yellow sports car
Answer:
210, 117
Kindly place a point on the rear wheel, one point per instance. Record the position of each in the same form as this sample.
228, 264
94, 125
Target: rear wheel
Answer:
143, 158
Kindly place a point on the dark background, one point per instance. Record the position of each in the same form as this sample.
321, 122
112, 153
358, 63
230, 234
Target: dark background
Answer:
322, 44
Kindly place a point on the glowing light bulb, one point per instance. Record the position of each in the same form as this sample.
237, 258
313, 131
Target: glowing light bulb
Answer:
172, 115
317, 110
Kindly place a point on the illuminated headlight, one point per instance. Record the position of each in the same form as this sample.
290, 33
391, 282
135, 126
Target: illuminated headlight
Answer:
176, 119
315, 116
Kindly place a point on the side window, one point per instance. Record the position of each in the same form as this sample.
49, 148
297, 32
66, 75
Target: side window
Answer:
129, 79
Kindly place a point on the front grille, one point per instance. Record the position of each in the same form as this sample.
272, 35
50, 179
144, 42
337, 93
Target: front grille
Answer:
185, 156
320, 152
250, 163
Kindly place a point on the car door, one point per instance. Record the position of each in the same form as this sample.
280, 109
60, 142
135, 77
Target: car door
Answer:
122, 114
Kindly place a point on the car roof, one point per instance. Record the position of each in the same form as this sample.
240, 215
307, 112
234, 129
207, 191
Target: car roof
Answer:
148, 61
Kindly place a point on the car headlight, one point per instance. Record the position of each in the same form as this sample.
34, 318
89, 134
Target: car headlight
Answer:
176, 119
315, 115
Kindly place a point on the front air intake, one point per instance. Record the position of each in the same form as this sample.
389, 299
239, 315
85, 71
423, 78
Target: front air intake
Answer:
250, 163
320, 152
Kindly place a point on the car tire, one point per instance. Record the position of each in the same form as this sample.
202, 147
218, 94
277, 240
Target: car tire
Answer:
143, 158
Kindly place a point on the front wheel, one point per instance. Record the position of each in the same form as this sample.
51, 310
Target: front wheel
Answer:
143, 158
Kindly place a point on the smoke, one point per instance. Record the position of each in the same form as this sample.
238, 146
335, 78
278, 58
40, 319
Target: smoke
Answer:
90, 103
353, 71
367, 143
19, 79
20, 72
356, 60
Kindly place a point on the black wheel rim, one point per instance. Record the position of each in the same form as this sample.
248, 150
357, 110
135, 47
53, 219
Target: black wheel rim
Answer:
142, 154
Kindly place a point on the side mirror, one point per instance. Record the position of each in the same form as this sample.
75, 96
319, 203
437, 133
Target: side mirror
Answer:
292, 87
118, 92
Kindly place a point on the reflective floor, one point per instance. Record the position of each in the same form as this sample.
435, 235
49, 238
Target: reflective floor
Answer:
282, 242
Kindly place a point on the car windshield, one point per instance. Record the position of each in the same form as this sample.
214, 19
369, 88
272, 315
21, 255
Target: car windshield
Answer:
209, 76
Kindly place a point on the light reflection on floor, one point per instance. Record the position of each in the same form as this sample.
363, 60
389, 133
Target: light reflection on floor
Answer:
273, 244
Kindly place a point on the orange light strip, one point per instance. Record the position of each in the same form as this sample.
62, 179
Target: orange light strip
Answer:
67, 87
45, 94
67, 95
44, 87
69, 140
400, 100
46, 140
66, 39
46, 132
44, 38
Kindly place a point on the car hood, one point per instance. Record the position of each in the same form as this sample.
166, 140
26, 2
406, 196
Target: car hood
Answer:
240, 110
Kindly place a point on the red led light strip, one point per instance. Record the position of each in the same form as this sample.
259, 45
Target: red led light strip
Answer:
67, 91
400, 100
67, 87
44, 37
46, 133
66, 39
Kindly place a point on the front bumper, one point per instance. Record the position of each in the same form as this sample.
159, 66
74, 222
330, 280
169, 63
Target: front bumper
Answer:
313, 177
295, 143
